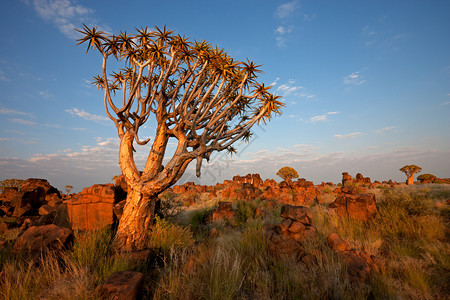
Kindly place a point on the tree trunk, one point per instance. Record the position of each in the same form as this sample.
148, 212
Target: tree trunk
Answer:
410, 179
137, 218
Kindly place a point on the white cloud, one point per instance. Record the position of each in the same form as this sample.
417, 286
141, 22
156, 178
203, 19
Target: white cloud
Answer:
275, 82
282, 34
283, 31
23, 121
6, 111
286, 89
322, 117
383, 130
86, 115
347, 136
354, 78
63, 14
318, 118
292, 89
446, 103
287, 9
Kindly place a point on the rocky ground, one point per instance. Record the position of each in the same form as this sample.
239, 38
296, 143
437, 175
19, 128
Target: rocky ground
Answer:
47, 220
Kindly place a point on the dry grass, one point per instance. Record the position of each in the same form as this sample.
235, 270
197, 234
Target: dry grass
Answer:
409, 235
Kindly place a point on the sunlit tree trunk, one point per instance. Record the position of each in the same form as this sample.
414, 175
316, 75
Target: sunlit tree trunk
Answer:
138, 215
410, 179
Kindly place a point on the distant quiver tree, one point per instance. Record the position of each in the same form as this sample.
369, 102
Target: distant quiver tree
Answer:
194, 93
68, 188
426, 178
410, 170
287, 173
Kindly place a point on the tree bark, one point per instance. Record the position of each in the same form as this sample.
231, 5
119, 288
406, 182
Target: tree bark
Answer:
137, 218
410, 179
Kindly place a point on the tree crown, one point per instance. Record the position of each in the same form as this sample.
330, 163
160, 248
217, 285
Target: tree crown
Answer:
195, 92
410, 169
428, 177
287, 173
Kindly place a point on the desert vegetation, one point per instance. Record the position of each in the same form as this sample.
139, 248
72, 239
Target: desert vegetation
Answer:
211, 249
409, 171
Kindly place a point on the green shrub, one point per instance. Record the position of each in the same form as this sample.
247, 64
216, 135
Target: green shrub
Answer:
165, 236
245, 210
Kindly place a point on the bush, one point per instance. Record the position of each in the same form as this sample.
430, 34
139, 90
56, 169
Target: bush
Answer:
166, 236
426, 178
245, 210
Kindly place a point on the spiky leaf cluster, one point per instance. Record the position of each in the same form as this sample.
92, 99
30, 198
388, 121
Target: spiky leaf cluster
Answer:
198, 93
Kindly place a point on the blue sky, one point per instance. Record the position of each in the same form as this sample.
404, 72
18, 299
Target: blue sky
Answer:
366, 86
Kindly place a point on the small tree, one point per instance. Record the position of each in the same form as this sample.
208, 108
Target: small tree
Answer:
194, 93
287, 173
410, 170
425, 178
68, 189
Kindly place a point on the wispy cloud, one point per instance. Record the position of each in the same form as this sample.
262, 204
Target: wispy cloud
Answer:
375, 36
86, 115
287, 9
354, 78
324, 117
23, 121
446, 102
64, 14
6, 111
275, 82
385, 129
284, 12
347, 136
45, 94
3, 76
282, 35
291, 88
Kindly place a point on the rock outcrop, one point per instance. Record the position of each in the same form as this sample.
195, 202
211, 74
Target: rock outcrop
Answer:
125, 285
360, 207
47, 237
360, 265
223, 212
287, 238
92, 208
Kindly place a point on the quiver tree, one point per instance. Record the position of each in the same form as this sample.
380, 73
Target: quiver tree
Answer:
195, 93
287, 173
426, 178
68, 188
410, 170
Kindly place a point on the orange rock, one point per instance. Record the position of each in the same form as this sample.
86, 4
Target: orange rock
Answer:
360, 207
92, 208
223, 212
38, 238
336, 244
